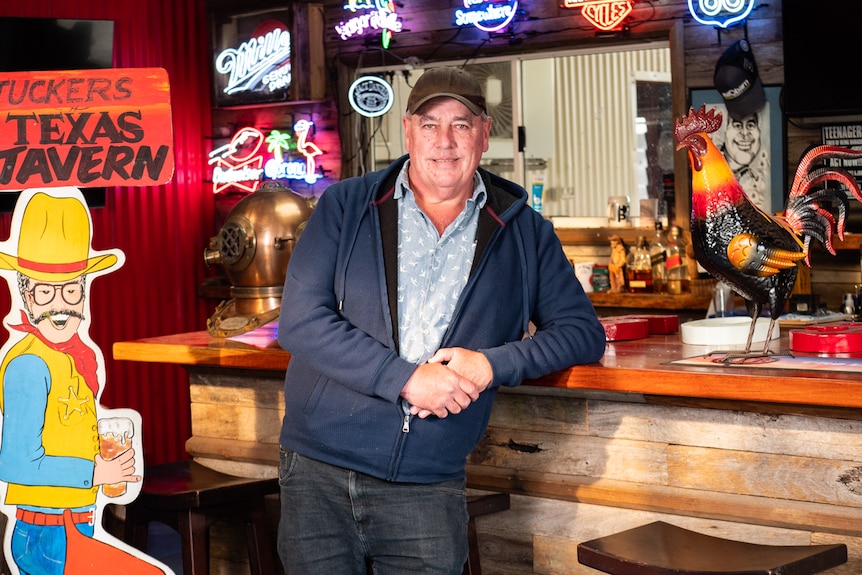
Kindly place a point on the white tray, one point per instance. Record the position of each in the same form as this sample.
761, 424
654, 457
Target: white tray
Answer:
725, 331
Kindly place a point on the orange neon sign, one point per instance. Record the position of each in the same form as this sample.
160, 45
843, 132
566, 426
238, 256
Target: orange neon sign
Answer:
603, 14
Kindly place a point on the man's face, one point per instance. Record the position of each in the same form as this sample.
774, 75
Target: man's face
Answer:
743, 139
445, 142
56, 308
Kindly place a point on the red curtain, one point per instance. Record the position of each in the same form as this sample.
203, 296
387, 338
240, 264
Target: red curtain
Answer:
162, 230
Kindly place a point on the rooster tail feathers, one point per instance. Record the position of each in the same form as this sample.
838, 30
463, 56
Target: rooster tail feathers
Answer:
805, 211
806, 178
808, 218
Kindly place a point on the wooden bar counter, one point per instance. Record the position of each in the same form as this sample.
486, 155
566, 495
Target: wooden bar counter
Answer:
757, 454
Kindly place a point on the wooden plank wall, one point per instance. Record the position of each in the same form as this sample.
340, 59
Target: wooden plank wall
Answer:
583, 465
595, 466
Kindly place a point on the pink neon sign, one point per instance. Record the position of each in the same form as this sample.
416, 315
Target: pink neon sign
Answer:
371, 16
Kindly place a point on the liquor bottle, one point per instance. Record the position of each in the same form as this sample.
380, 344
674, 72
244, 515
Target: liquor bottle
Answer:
638, 268
676, 264
657, 260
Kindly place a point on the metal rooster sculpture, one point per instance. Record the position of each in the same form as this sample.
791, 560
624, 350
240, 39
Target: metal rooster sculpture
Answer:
737, 243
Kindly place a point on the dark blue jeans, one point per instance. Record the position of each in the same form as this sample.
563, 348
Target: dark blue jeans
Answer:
341, 522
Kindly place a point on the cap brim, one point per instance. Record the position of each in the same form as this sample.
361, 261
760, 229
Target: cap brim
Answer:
748, 103
472, 106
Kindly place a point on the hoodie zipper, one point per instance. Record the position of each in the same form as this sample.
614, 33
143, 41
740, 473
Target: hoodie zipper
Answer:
405, 422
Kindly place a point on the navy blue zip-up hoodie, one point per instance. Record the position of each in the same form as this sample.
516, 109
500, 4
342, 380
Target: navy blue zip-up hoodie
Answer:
338, 321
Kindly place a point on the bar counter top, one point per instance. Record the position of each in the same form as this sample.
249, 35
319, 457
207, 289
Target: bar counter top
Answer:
632, 367
766, 455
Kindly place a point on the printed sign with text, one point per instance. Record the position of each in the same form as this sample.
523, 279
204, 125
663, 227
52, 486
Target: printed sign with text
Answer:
87, 128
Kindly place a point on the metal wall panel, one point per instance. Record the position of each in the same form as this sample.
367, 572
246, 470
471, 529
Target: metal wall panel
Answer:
162, 230
596, 150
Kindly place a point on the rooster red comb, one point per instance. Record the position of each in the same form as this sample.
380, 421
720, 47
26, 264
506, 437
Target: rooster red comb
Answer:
696, 122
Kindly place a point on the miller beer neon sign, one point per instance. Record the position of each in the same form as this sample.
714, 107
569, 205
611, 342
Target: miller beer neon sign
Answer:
260, 64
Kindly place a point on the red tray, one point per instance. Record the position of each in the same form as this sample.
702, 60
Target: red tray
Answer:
838, 340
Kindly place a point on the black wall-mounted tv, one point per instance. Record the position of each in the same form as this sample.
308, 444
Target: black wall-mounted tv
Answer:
95, 198
821, 45
39, 44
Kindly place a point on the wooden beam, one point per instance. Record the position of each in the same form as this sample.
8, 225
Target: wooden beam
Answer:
689, 502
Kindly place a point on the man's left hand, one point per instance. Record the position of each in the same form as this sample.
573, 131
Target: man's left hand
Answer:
469, 364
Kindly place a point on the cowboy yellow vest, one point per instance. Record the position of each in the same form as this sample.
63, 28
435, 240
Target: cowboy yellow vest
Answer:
70, 428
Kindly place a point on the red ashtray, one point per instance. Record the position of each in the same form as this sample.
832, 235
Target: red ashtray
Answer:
837, 340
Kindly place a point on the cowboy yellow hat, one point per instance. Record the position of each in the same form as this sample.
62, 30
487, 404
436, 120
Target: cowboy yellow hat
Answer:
54, 241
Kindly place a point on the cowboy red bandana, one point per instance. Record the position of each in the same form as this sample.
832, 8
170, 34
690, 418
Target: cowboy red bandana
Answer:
83, 356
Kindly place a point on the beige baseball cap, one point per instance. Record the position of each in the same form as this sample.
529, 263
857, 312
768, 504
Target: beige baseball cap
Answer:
447, 82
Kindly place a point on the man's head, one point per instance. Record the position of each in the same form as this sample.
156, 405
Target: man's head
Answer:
446, 131
52, 260
55, 308
742, 139
447, 82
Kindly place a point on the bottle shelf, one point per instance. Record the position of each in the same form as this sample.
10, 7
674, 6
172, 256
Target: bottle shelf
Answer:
587, 236
650, 300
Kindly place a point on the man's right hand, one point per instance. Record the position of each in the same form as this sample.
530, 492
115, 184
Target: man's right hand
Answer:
435, 389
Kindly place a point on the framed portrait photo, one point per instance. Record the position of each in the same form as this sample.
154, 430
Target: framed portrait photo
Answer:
752, 146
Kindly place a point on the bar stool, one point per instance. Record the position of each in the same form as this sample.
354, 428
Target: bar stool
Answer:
663, 549
478, 505
190, 498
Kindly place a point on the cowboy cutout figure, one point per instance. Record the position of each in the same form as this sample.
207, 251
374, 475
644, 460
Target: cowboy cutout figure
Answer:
62, 454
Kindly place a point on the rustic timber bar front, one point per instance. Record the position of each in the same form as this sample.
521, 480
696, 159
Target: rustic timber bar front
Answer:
757, 454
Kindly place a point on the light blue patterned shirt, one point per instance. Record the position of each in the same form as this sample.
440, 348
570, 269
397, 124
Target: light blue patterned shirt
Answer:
432, 268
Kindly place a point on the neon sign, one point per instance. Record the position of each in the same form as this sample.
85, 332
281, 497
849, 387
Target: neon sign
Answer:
259, 64
721, 13
237, 163
487, 15
241, 163
603, 14
278, 168
379, 15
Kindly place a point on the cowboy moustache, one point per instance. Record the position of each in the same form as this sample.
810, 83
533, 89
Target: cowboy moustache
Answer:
50, 313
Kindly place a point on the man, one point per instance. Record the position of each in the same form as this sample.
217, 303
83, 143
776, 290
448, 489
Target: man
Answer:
408, 301
748, 158
49, 455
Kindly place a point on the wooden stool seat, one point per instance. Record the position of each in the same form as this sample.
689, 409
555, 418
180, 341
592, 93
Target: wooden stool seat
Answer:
478, 505
190, 498
663, 549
